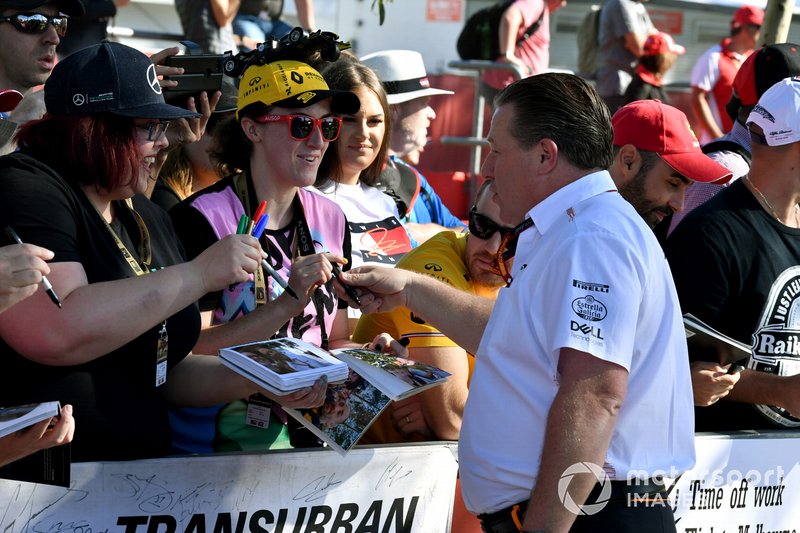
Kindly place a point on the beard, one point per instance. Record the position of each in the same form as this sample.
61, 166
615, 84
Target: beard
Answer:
634, 193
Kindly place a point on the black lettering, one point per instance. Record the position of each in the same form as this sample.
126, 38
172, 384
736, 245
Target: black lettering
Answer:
224, 524
301, 517
318, 510
372, 519
403, 524
342, 522
131, 522
255, 518
169, 523
197, 524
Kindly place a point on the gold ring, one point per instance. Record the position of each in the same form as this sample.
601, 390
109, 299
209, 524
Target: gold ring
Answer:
408, 420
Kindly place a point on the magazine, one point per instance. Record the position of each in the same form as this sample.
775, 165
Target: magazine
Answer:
283, 365
707, 343
354, 401
21, 416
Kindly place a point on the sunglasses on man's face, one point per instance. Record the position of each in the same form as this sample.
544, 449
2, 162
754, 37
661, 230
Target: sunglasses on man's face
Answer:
507, 249
37, 23
484, 227
301, 126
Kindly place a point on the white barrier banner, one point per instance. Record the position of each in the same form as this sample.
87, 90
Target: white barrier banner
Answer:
741, 485
407, 489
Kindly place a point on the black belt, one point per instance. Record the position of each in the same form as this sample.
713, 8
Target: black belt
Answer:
509, 520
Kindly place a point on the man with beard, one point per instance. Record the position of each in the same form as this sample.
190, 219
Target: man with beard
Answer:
656, 158
462, 261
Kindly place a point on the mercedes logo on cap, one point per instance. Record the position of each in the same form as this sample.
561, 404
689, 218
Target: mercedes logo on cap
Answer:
78, 99
152, 79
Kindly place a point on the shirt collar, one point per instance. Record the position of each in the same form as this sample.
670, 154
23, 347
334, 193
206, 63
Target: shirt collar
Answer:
547, 212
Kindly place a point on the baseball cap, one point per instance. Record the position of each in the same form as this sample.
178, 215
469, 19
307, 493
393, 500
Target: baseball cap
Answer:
777, 113
9, 100
403, 75
765, 67
747, 15
661, 43
291, 84
108, 78
68, 7
653, 126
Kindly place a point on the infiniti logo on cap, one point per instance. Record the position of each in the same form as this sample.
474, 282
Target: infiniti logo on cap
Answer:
152, 79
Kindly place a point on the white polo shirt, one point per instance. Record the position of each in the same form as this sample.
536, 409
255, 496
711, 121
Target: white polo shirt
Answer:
590, 276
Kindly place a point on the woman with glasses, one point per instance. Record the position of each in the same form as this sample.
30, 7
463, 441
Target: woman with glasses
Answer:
350, 170
270, 153
117, 347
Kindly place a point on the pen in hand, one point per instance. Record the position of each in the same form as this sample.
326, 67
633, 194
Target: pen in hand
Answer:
45, 282
348, 289
278, 279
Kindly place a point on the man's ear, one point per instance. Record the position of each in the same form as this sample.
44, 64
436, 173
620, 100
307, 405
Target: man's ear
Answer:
547, 155
628, 162
251, 131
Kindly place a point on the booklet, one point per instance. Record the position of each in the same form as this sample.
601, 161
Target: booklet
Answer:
375, 379
21, 416
362, 382
283, 365
51, 465
707, 343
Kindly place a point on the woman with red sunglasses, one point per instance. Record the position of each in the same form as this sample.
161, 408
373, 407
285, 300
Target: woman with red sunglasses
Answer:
270, 153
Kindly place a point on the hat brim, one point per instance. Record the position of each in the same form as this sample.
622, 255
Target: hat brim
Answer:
399, 98
698, 167
157, 111
343, 102
68, 7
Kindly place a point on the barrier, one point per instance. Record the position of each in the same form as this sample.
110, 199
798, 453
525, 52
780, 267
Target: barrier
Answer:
402, 489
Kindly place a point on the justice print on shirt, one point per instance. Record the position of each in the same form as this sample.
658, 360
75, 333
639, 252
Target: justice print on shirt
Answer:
384, 241
776, 341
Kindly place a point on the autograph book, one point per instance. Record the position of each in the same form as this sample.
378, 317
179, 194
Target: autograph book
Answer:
707, 343
354, 400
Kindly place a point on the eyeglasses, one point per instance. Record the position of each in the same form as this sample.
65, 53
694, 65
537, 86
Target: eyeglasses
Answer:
37, 23
154, 129
484, 227
507, 249
301, 126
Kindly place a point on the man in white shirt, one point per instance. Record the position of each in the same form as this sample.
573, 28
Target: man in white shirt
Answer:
584, 346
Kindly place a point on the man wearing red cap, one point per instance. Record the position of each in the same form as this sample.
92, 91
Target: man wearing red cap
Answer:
713, 74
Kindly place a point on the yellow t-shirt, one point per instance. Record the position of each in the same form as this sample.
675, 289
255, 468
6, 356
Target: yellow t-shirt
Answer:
441, 257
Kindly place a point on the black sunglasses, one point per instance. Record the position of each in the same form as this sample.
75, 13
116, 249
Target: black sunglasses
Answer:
301, 126
37, 23
484, 227
507, 249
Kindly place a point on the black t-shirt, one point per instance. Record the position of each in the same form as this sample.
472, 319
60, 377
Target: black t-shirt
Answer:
120, 413
736, 268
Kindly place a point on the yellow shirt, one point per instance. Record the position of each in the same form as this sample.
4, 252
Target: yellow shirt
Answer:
441, 257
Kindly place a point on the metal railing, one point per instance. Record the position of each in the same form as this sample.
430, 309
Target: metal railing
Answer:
476, 141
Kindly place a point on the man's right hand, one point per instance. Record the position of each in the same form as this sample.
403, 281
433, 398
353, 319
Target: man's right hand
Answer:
711, 382
380, 289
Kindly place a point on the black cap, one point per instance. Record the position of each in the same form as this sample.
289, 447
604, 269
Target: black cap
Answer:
108, 78
68, 7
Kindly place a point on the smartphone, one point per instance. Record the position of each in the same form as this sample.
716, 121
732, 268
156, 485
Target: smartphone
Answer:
200, 73
735, 368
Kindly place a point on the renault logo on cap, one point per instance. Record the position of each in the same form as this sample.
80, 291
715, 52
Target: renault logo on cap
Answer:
152, 79
78, 99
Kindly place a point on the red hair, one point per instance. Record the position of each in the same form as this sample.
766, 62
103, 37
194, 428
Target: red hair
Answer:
97, 150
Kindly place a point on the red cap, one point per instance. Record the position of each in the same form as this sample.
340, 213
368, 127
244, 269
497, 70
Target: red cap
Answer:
652, 126
9, 100
748, 15
661, 43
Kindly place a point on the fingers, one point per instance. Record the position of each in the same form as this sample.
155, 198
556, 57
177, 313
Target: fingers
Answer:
305, 398
310, 272
163, 70
63, 430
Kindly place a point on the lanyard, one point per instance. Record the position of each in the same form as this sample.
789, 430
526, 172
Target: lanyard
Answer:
303, 245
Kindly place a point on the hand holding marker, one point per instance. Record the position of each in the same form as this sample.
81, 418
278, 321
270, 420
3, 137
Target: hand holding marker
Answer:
261, 219
47, 287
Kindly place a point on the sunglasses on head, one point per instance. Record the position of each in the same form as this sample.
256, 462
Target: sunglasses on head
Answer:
37, 22
301, 126
507, 249
484, 227
154, 129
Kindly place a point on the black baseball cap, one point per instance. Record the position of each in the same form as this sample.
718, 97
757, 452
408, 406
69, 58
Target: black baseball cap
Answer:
68, 7
108, 78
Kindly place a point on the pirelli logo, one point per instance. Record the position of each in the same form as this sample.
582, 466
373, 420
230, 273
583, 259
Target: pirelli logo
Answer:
586, 286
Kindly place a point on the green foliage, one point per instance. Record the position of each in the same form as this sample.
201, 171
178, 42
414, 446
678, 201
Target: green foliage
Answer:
381, 9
